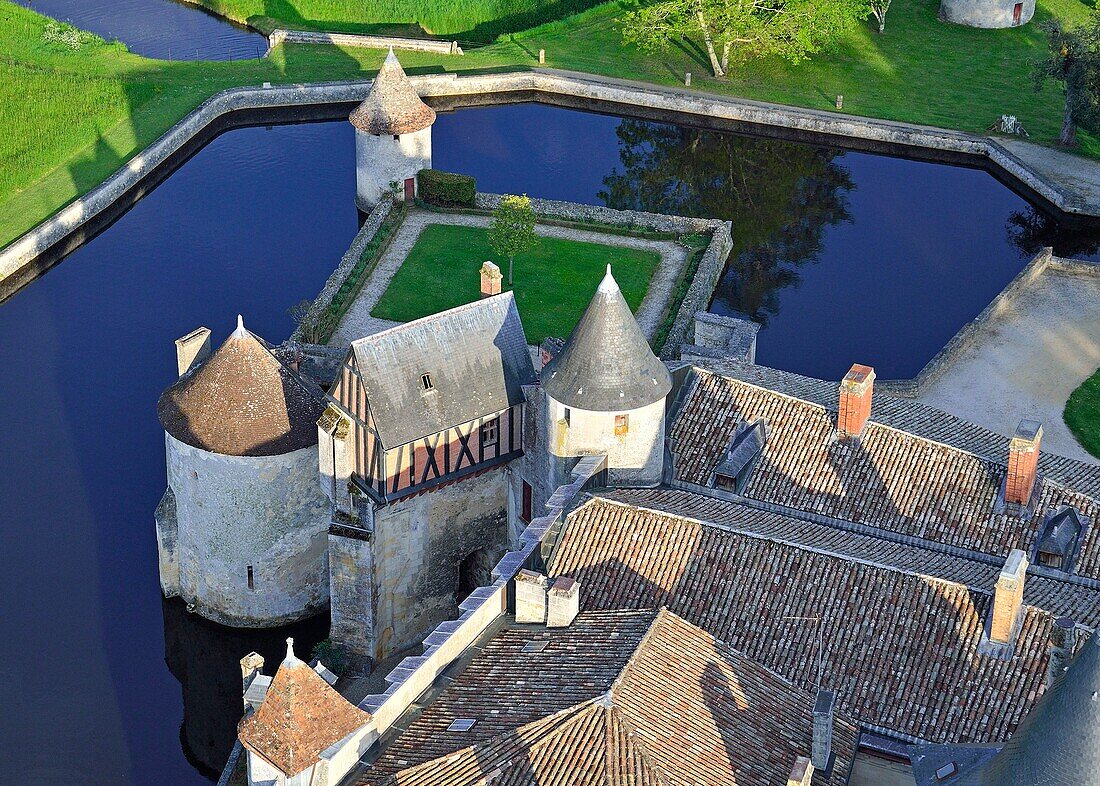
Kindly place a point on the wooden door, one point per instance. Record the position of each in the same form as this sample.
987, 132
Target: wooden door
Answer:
410, 189
1017, 13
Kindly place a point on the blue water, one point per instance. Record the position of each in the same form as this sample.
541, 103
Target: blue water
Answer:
846, 256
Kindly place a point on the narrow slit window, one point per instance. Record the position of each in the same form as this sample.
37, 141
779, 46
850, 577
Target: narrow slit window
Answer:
565, 415
426, 381
251, 578
622, 424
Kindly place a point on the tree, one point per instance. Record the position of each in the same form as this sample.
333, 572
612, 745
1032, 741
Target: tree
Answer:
879, 9
792, 29
513, 229
1074, 60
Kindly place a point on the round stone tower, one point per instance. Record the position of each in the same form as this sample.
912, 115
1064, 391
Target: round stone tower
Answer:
242, 529
987, 13
393, 137
606, 393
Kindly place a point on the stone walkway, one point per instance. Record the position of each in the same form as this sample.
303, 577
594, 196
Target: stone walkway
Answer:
1078, 176
358, 322
1028, 360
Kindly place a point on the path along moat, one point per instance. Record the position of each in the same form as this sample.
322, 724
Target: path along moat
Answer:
845, 257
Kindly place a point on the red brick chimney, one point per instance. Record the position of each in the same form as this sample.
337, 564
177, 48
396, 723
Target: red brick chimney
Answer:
1023, 462
490, 279
855, 400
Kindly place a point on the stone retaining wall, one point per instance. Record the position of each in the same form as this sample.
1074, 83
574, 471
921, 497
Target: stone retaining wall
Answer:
578, 89
280, 36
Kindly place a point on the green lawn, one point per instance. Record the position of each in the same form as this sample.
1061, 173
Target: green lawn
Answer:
553, 283
1082, 414
68, 119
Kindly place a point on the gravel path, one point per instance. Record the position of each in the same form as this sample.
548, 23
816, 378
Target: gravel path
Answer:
358, 322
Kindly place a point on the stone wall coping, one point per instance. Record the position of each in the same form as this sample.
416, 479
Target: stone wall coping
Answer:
21, 253
281, 35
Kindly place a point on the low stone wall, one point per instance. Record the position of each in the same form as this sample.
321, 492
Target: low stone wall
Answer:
18, 260
698, 296
347, 264
280, 36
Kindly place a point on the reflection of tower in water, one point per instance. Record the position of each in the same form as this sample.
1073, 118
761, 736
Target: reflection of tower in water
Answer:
205, 658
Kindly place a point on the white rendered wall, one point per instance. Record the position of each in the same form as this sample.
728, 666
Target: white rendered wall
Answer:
236, 511
635, 458
381, 160
984, 13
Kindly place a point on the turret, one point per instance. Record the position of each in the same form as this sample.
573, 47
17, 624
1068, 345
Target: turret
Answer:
606, 393
393, 137
242, 528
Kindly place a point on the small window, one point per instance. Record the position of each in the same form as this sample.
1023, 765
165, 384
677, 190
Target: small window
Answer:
946, 771
489, 432
462, 724
565, 415
426, 381
251, 578
535, 646
1050, 559
622, 424
526, 503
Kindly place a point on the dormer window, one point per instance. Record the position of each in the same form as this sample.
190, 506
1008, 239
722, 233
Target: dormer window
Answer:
741, 457
1059, 540
622, 425
426, 381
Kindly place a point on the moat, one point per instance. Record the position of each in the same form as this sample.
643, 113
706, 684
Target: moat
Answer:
839, 261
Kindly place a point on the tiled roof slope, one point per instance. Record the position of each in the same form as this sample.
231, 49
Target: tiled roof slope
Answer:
899, 647
920, 419
392, 106
300, 716
1060, 598
888, 479
686, 711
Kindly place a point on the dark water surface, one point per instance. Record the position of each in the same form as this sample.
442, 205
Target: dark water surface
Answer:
164, 29
844, 256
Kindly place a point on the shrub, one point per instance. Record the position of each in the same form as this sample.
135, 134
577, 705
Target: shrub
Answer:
446, 188
63, 34
329, 653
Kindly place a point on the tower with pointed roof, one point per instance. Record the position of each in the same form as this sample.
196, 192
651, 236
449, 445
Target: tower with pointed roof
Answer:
242, 528
606, 394
393, 136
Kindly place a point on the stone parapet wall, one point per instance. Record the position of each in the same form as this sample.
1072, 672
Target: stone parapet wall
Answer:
280, 36
698, 296
627, 219
579, 89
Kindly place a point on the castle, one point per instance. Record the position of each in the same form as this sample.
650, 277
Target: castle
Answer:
589, 567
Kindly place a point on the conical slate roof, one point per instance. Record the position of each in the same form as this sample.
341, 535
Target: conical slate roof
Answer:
393, 105
606, 365
241, 402
299, 718
1058, 743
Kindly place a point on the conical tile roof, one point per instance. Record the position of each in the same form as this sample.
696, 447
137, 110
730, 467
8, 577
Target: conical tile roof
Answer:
1058, 743
606, 365
241, 402
393, 105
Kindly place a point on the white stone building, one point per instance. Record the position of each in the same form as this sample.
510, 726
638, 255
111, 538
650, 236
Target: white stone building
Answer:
987, 13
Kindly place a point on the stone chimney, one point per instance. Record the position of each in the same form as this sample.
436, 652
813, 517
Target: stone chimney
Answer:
1008, 598
251, 665
1023, 462
530, 597
1063, 638
802, 774
563, 601
490, 279
192, 349
822, 751
855, 401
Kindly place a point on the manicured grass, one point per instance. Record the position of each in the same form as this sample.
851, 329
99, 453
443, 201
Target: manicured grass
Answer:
553, 283
1082, 414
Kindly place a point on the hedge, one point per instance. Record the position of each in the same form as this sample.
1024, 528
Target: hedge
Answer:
446, 188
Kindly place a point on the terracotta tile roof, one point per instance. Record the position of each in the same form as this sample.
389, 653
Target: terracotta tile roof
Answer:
300, 717
392, 106
900, 647
242, 402
1060, 598
685, 711
890, 479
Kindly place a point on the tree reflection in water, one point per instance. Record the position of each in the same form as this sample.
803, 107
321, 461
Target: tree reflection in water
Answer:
1031, 230
757, 184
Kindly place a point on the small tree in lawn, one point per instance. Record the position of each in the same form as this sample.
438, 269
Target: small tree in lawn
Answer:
879, 9
1074, 60
513, 229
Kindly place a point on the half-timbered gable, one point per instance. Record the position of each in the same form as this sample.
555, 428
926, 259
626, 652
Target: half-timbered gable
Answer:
437, 399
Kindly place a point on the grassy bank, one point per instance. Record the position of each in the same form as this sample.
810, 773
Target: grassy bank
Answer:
69, 118
553, 283
1082, 414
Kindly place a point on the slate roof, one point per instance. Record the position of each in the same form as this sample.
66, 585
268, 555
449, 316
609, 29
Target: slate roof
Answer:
681, 710
392, 106
476, 355
1058, 743
242, 402
606, 365
900, 647
889, 479
300, 717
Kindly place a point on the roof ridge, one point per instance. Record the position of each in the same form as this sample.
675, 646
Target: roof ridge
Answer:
635, 740
501, 298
